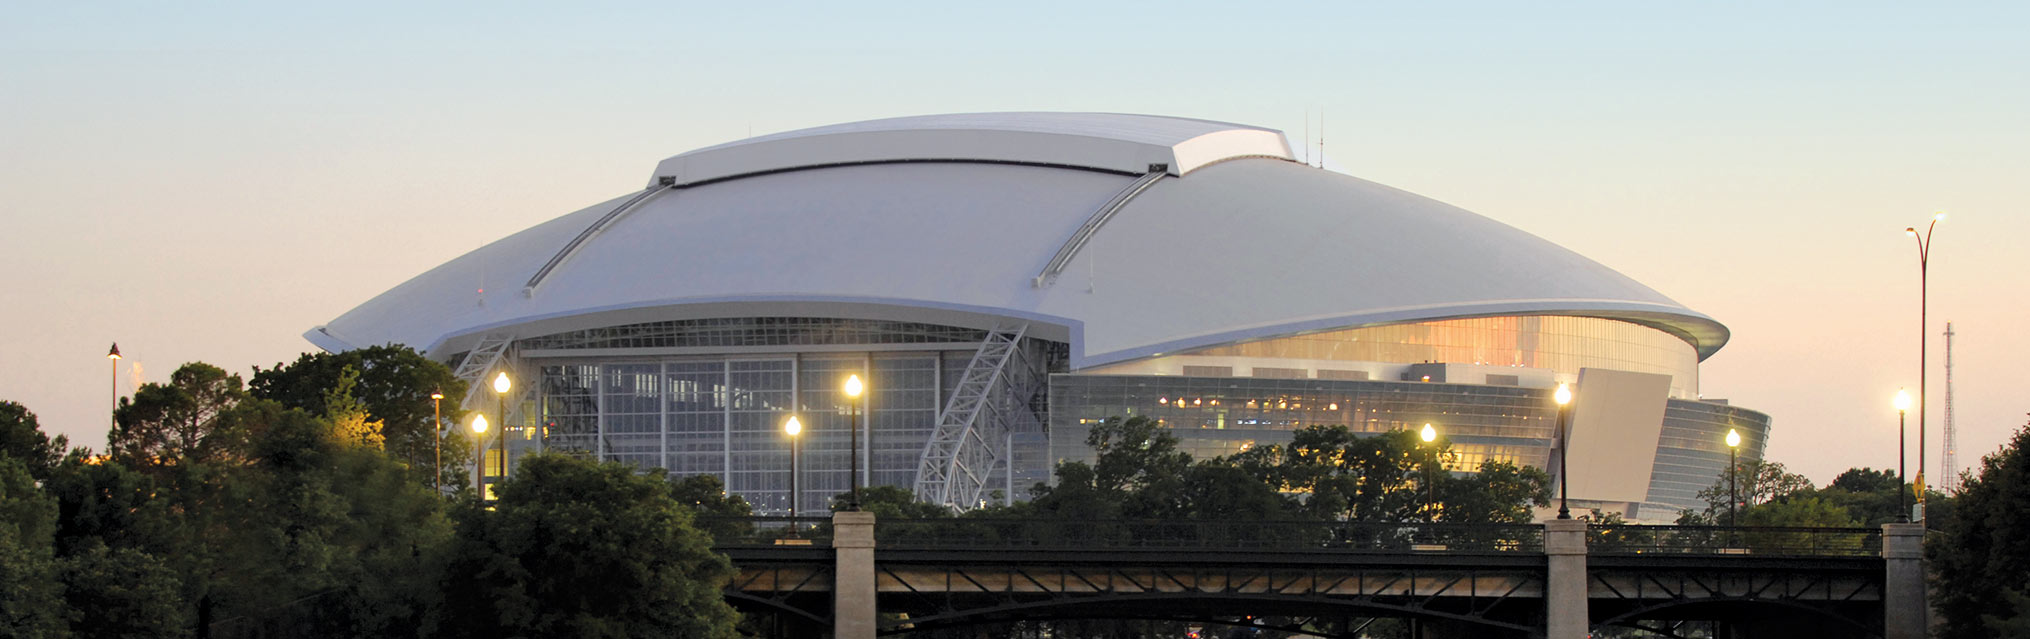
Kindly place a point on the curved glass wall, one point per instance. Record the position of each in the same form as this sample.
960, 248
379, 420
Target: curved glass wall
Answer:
1691, 453
1222, 416
1558, 343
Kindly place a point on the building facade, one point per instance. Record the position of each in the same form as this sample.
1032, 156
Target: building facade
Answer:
1003, 281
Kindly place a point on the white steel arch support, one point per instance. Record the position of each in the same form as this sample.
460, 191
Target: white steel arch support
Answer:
962, 451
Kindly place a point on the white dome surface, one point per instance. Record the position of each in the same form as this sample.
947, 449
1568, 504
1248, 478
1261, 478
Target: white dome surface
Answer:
1240, 244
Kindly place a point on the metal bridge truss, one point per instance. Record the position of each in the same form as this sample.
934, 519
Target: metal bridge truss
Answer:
1847, 597
942, 595
971, 438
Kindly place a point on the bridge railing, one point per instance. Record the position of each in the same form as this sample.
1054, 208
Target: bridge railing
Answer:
1723, 540
753, 532
1310, 536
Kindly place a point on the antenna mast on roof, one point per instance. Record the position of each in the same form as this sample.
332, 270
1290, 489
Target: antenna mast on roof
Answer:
1952, 471
1307, 136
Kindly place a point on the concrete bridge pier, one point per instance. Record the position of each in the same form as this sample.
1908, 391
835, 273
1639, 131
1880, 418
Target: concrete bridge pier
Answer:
1905, 614
1565, 601
853, 611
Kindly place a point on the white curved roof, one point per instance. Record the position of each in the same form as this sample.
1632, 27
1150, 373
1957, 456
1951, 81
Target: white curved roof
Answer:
1246, 248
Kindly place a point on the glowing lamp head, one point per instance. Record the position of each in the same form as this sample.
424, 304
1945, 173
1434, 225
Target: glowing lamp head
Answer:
115, 353
1910, 231
479, 423
1429, 434
1902, 400
1938, 216
853, 386
501, 383
793, 427
436, 394
1564, 395
1733, 438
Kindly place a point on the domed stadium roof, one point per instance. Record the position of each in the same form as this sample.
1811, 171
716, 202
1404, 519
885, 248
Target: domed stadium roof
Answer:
1127, 236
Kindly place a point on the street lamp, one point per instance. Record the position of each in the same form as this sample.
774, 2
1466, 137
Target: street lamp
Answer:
479, 463
793, 428
853, 389
1733, 471
1902, 497
1564, 398
501, 386
437, 432
1430, 435
1923, 307
114, 355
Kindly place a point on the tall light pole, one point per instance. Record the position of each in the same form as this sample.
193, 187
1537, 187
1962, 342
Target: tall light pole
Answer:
1733, 472
501, 386
479, 460
1902, 496
793, 428
1430, 435
1923, 322
853, 389
114, 355
437, 437
1563, 397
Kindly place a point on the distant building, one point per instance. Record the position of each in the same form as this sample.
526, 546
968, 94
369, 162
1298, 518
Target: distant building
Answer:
1003, 281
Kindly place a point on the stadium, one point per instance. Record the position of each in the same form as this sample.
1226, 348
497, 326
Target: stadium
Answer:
1003, 281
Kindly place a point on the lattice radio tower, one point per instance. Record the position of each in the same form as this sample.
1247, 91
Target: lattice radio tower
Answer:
1952, 466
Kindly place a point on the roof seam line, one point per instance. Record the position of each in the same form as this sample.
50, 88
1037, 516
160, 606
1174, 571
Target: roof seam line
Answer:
1092, 224
529, 289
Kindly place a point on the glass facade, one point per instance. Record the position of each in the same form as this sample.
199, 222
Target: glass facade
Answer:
1691, 453
711, 397
1558, 343
1222, 416
723, 414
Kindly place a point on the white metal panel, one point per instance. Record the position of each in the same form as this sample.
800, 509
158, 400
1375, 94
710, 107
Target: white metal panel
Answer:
1616, 419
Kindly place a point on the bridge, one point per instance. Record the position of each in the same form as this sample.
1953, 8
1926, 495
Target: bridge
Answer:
852, 577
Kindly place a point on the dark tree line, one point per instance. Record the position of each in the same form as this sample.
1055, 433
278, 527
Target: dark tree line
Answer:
303, 506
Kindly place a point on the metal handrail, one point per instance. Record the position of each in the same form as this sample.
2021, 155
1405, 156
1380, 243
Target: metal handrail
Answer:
1779, 541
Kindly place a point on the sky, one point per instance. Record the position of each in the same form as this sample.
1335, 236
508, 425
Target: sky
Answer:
205, 182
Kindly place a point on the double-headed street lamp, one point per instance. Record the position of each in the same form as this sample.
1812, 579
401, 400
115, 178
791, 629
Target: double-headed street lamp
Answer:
1902, 497
1923, 340
1564, 398
1733, 473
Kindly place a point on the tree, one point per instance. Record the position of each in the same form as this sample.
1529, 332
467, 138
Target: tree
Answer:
576, 548
393, 385
189, 420
1982, 552
31, 603
115, 593
21, 438
1345, 476
1501, 493
1756, 481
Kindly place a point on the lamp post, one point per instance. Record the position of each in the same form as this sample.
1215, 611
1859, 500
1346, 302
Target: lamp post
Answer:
1902, 497
479, 462
853, 388
1923, 307
114, 356
1733, 471
793, 428
1430, 435
501, 386
1563, 397
437, 435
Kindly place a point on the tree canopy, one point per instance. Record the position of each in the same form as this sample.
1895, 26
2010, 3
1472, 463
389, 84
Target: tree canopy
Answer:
1981, 554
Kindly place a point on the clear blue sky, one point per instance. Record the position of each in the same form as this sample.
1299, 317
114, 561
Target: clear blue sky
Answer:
208, 181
